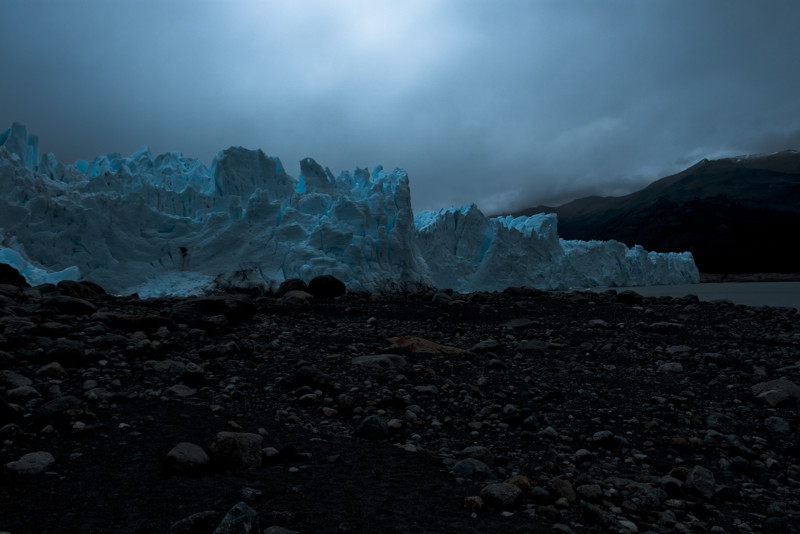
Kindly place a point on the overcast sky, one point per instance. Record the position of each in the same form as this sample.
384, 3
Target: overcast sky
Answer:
499, 102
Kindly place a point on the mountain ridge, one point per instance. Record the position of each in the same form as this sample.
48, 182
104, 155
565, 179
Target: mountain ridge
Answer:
736, 215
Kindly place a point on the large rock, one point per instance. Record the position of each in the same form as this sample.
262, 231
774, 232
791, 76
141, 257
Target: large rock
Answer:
326, 287
11, 276
373, 427
33, 463
199, 523
292, 284
501, 495
187, 457
236, 449
701, 480
775, 392
479, 453
473, 469
241, 519
69, 305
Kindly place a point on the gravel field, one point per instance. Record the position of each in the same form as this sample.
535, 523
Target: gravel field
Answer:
520, 411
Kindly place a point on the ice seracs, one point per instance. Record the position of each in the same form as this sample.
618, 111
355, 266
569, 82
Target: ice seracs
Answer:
166, 224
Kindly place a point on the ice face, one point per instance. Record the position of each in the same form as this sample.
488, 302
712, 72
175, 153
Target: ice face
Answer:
168, 225
467, 251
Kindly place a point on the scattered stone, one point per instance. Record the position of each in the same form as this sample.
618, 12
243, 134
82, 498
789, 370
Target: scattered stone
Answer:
297, 297
22, 393
11, 276
702, 481
563, 488
670, 367
629, 297
180, 391
380, 361
292, 284
14, 380
326, 287
419, 345
241, 519
70, 305
532, 346
473, 503
779, 425
472, 469
590, 492
61, 405
485, 346
52, 370
236, 449
608, 440
722, 423
775, 392
501, 495
200, 522
582, 455
522, 482
33, 463
308, 375
609, 427
479, 453
373, 427
187, 457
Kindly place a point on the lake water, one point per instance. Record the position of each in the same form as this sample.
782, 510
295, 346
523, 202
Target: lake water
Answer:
749, 293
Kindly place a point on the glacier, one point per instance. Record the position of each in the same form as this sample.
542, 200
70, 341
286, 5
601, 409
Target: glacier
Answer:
169, 225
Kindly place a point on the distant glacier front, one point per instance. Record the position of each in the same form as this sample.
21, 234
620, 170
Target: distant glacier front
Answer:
169, 225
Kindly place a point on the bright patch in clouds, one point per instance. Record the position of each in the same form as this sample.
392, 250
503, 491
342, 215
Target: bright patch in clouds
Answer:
328, 45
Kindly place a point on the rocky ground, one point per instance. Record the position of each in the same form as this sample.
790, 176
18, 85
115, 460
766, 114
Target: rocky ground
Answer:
521, 411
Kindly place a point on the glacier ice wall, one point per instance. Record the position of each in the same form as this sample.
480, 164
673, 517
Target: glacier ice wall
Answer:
167, 224
467, 251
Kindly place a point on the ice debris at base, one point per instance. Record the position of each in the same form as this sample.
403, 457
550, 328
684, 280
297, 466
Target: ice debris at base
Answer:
33, 274
168, 225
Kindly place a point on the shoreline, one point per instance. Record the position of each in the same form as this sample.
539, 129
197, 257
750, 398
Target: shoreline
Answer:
749, 293
712, 278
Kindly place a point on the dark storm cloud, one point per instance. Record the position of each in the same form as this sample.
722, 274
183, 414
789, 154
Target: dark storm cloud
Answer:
504, 103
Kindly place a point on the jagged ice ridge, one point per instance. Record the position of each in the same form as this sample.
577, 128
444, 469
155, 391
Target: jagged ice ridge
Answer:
166, 224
